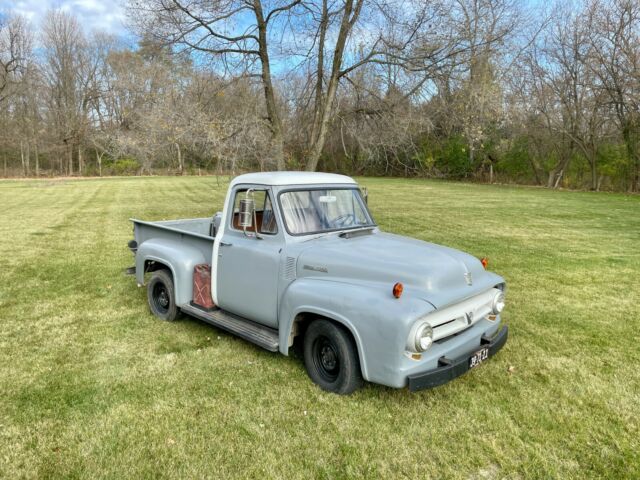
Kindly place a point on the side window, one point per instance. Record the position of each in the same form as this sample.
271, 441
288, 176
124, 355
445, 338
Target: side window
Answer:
268, 224
265, 216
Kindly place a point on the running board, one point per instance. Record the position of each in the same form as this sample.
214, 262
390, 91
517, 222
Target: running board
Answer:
262, 336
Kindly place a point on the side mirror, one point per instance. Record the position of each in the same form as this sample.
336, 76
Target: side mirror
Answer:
365, 195
247, 207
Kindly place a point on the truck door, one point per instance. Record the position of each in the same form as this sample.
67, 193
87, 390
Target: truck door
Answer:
248, 266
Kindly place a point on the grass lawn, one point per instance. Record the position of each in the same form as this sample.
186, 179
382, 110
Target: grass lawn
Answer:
91, 385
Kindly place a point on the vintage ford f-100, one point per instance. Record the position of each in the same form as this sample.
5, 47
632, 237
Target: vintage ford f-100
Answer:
297, 256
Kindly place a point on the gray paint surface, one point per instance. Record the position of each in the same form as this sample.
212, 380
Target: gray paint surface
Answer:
274, 280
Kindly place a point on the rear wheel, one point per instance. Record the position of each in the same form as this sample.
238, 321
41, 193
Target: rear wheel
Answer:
331, 358
161, 296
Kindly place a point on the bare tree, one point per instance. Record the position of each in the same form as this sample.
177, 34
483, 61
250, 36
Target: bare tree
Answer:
16, 44
234, 34
488, 27
17, 86
393, 36
65, 73
567, 92
615, 53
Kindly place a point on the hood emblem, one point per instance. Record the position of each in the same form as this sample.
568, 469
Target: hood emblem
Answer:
469, 316
468, 278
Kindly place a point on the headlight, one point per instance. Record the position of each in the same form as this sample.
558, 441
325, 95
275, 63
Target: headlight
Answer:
498, 303
424, 337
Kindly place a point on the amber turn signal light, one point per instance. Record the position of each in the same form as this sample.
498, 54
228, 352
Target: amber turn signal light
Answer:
485, 262
397, 290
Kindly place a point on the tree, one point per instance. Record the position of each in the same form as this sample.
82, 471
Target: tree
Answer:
615, 59
17, 92
16, 45
566, 91
67, 73
234, 34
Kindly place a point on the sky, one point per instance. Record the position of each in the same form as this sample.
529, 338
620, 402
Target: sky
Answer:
104, 15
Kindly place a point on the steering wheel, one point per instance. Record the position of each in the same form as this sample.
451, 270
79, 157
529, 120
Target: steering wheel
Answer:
344, 220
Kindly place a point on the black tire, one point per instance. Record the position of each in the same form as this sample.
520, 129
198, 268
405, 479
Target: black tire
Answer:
331, 358
161, 296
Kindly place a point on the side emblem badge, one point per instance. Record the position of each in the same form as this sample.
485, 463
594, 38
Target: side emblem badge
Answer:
467, 277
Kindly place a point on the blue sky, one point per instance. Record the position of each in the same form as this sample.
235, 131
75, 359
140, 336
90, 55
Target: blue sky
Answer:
105, 15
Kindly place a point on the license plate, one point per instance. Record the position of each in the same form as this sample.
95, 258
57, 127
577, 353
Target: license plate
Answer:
478, 357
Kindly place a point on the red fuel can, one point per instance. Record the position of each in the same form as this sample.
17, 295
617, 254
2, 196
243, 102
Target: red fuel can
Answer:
202, 286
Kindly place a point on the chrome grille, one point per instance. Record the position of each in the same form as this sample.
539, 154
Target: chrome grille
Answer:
456, 318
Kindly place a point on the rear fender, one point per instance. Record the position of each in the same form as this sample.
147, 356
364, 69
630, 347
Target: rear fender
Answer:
177, 257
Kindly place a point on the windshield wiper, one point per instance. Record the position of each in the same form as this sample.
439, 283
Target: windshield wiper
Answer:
356, 231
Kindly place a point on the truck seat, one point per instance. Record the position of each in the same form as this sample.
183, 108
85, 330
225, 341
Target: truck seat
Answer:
252, 228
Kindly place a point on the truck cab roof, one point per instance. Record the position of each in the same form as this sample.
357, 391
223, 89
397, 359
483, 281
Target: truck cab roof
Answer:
292, 178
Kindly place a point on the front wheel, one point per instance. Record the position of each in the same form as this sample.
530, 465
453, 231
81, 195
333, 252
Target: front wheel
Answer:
161, 296
331, 358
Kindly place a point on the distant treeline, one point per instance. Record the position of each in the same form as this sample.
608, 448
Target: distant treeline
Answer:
487, 90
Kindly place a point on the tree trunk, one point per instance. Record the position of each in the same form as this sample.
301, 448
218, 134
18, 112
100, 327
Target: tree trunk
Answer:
22, 158
319, 90
70, 159
556, 173
99, 159
491, 173
589, 149
80, 161
37, 160
558, 179
327, 108
27, 159
180, 166
5, 164
634, 156
275, 123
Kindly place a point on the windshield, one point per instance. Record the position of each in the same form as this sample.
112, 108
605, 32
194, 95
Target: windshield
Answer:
324, 210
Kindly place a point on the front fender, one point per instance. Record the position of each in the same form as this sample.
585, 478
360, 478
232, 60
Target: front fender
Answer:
178, 257
378, 322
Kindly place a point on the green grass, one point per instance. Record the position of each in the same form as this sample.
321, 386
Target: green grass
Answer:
91, 385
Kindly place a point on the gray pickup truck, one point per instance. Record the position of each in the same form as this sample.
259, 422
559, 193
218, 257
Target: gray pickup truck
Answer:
297, 257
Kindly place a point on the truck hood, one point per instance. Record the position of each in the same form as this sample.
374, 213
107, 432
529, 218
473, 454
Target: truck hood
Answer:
439, 275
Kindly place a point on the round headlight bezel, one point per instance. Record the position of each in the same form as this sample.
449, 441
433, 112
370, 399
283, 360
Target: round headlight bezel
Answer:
498, 303
424, 334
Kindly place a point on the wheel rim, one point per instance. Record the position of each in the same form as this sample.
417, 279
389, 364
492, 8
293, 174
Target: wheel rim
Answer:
161, 299
326, 359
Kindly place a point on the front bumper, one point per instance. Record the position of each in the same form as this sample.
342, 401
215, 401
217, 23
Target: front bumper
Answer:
449, 369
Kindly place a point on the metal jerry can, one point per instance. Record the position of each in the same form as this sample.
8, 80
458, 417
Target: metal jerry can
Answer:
202, 286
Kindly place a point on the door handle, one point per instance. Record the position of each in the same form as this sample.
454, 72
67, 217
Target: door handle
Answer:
225, 244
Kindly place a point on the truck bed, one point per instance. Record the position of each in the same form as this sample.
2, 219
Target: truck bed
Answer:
194, 232
191, 231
